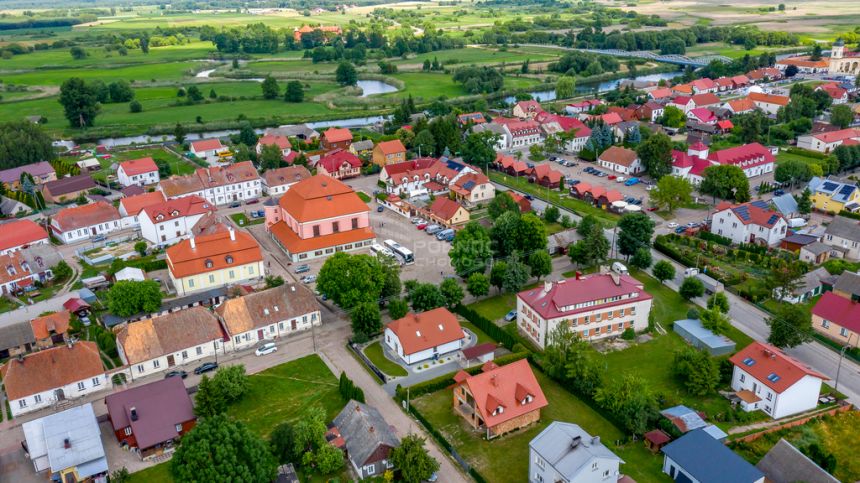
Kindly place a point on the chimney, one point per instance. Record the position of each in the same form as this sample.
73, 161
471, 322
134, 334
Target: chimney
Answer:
578, 275
232, 234
133, 412
575, 441
547, 286
372, 429
595, 440
193, 243
616, 279
67, 443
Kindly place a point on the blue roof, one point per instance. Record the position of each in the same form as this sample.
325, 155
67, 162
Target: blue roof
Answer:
710, 461
785, 204
706, 336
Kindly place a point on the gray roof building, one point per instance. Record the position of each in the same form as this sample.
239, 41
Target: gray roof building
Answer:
849, 283
701, 338
16, 336
696, 456
68, 439
301, 131
844, 228
785, 204
365, 145
816, 248
686, 419
368, 438
565, 452
786, 464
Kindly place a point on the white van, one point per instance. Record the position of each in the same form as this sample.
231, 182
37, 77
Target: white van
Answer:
691, 272
619, 267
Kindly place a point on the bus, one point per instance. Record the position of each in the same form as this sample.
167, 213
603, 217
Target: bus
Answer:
378, 249
402, 252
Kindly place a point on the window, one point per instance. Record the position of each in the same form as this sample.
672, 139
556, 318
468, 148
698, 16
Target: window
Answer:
22, 403
156, 363
606, 473
743, 377
190, 283
232, 274
178, 428
370, 469
769, 396
594, 466
825, 323
843, 332
127, 431
81, 386
37, 398
228, 259
97, 381
251, 269
316, 229
335, 226
185, 354
354, 223
139, 368
539, 462
211, 278
237, 339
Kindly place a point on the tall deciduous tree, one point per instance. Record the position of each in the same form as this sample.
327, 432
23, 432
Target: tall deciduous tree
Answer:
271, 157
790, 326
80, 102
592, 249
413, 461
841, 115
516, 275
478, 284
698, 372
565, 87
727, 182
664, 270
642, 258
540, 263
452, 292
345, 74
128, 297
497, 274
397, 308
22, 143
480, 148
471, 250
691, 288
220, 449
656, 155
671, 192
501, 203
366, 319
426, 296
270, 88
630, 400
294, 92
634, 232
352, 279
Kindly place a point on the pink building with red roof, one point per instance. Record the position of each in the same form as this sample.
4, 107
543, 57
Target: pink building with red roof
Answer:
752, 222
765, 378
702, 115
139, 172
754, 159
838, 318
594, 306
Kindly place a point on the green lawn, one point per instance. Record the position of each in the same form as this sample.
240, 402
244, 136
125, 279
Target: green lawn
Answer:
482, 337
668, 305
159, 473
513, 450
285, 393
556, 197
178, 166
428, 86
363, 196
374, 353
494, 308
243, 220
783, 156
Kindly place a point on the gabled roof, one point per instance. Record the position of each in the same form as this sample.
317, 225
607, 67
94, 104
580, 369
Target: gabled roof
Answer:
500, 391
768, 98
20, 232
747, 155
391, 147
425, 330
178, 208
134, 204
610, 119
467, 183
138, 166
86, 215
473, 117
333, 161
786, 464
15, 335
159, 407
542, 171
336, 135
838, 310
660, 93
753, 212
848, 282
703, 84
260, 309
320, 197
13, 175
45, 325
51, 368
619, 155
772, 367
365, 432
844, 227
705, 99
703, 115
710, 461
69, 184
282, 142
210, 177
285, 176
569, 449
206, 145
550, 299
445, 208
804, 61
213, 252
530, 106
170, 333
841, 135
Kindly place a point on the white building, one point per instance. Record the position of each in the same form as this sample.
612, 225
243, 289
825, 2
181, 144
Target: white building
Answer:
621, 160
17, 234
208, 149
753, 159
565, 452
41, 379
502, 133
80, 223
825, 142
168, 222
67, 445
139, 172
424, 336
219, 185
277, 181
175, 339
595, 306
752, 222
765, 378
130, 207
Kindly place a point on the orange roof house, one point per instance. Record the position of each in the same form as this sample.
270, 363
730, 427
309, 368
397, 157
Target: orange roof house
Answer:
214, 260
144, 169
50, 328
20, 233
336, 138
448, 212
420, 336
81, 222
306, 29
133, 205
499, 399
389, 152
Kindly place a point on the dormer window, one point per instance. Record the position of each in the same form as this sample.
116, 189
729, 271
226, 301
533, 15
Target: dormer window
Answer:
229, 258
209, 263
527, 399
498, 410
159, 217
174, 213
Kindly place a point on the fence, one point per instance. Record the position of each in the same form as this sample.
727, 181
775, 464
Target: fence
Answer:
382, 376
797, 422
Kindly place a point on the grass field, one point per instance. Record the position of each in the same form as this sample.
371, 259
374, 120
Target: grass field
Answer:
426, 85
513, 449
374, 353
159, 473
285, 393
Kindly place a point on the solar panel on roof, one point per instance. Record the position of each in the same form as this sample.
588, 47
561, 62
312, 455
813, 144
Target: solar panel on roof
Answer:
469, 185
760, 203
828, 186
772, 219
743, 212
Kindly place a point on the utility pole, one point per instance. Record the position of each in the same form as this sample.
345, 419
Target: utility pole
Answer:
839, 366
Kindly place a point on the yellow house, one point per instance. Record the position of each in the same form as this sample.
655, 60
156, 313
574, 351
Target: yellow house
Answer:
214, 260
389, 152
448, 212
831, 196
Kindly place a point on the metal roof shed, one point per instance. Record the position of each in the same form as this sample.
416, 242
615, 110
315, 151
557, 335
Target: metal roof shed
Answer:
701, 338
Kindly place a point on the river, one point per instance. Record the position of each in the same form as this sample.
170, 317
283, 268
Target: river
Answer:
597, 87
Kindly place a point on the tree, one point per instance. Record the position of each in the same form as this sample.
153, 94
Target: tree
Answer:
841, 115
501, 203
412, 459
536, 152
426, 296
715, 321
592, 249
530, 234
565, 88
791, 71
62, 271
516, 274
727, 182
309, 434
641, 258
135, 107
22, 143
128, 297
551, 214
816, 52
345, 74
673, 117
671, 192
274, 281
480, 148
139, 247
179, 133
120, 476
691, 288
719, 301
349, 280
504, 233
792, 171
397, 308
540, 263
630, 400
452, 292
282, 441
80, 102
242, 455
194, 94
270, 88
271, 157
424, 143
231, 382
366, 319
471, 249
78, 53
586, 225
212, 94
477, 284
247, 136
294, 92
328, 459
655, 153
784, 280
804, 202
208, 401
120, 91
790, 326
571, 360
698, 372
823, 458
497, 275
634, 232
664, 270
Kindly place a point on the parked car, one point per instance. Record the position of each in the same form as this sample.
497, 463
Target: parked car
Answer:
444, 234
611, 177
620, 179
529, 197
417, 220
235, 204
672, 224
619, 267
637, 202
421, 225
573, 182
309, 279
380, 209
631, 181
433, 229
680, 229
206, 367
98, 238
303, 269
553, 158
181, 374
450, 237
252, 202
266, 348
512, 315
778, 192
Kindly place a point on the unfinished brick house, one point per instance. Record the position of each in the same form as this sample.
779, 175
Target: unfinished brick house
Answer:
500, 399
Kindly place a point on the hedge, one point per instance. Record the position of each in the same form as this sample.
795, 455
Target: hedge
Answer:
447, 380
848, 214
487, 326
718, 239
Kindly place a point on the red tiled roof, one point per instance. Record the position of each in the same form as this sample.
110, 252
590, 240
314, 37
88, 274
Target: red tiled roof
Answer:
51, 368
506, 386
613, 195
20, 232
445, 208
753, 153
391, 147
336, 135
44, 326
611, 118
293, 244
87, 215
333, 161
838, 310
752, 213
178, 208
425, 330
804, 61
530, 106
281, 142
660, 93
320, 197
414, 164
703, 84
182, 260
572, 292
706, 99
841, 135
833, 90
477, 180
740, 80
479, 350
743, 104
768, 98
767, 360
725, 124
133, 204
138, 166
703, 114
286, 175
619, 155
206, 145
546, 171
